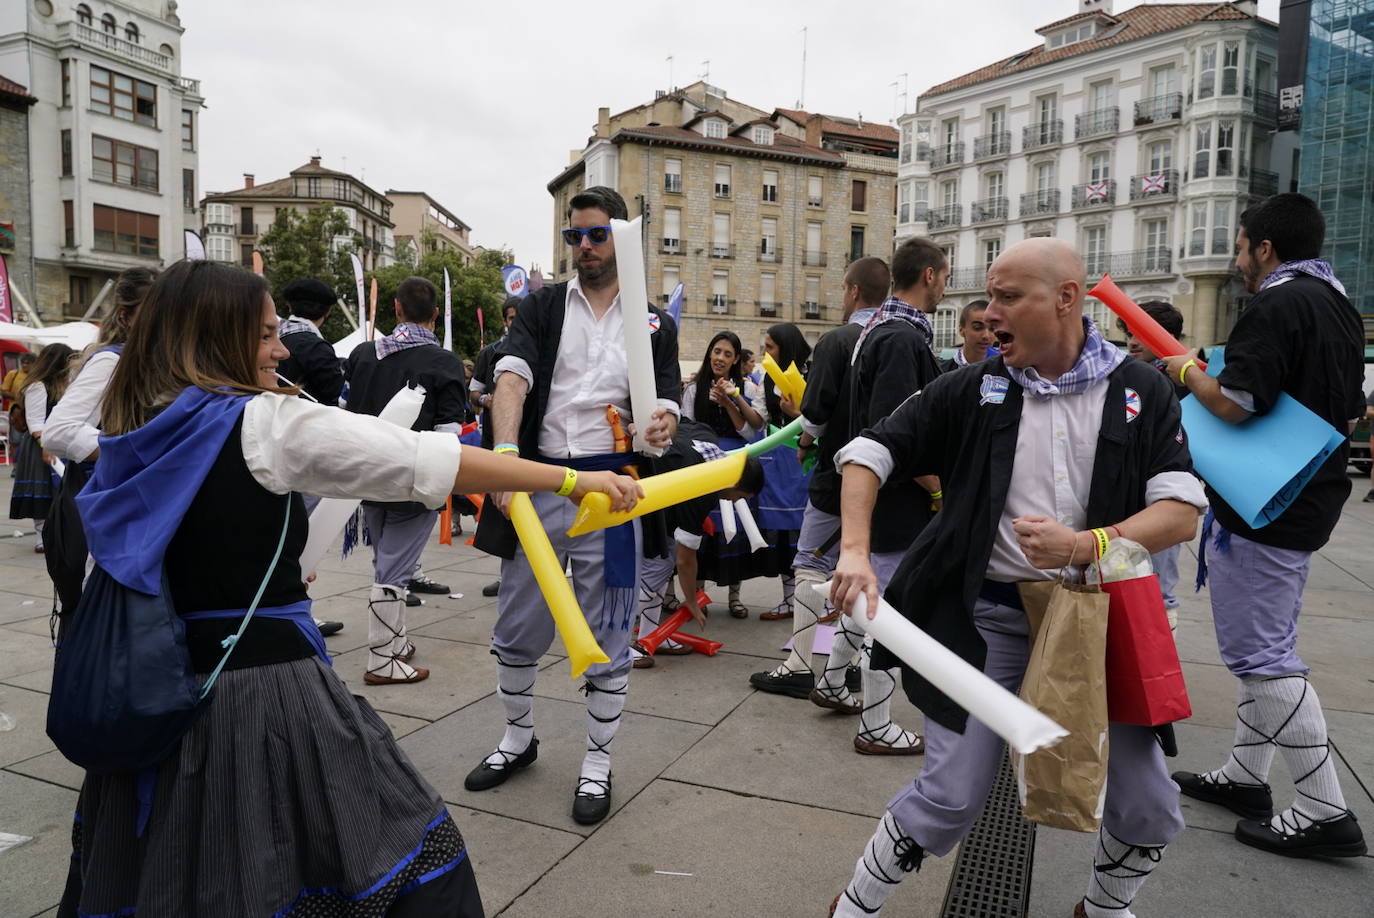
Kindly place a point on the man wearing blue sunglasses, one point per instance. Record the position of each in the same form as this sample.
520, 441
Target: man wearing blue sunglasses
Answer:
563, 363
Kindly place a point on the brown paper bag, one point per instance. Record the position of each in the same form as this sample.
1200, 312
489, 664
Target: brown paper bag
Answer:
1065, 785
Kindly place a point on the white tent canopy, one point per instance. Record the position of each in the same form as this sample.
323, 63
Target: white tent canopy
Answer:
75, 335
345, 345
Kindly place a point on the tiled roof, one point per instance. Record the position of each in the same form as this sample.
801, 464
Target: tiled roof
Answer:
1139, 22
846, 127
281, 188
16, 91
782, 146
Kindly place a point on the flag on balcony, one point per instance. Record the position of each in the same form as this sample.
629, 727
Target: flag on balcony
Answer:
1154, 184
6, 310
1095, 193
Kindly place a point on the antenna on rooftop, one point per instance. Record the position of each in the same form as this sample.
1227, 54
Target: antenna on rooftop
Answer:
801, 99
705, 71
903, 78
670, 73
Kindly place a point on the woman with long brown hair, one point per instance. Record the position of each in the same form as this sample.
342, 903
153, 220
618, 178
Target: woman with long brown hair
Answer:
33, 477
288, 794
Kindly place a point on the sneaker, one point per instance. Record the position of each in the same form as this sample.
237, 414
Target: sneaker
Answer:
423, 584
1252, 801
492, 589
328, 628
794, 685
1339, 837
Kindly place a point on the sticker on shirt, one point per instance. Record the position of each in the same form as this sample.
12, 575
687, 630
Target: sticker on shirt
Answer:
1132, 405
654, 322
1179, 436
994, 390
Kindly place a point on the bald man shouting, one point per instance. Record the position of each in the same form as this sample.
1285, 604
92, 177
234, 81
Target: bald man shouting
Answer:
1035, 448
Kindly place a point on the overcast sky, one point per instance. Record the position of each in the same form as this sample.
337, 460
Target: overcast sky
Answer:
479, 103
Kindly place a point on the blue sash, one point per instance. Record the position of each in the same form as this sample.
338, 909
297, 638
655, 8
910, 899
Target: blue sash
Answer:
298, 612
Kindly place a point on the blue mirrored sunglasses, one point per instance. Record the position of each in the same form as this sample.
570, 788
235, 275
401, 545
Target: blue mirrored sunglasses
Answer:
597, 234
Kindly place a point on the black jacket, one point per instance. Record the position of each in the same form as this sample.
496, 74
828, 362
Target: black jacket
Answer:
534, 336
313, 366
826, 402
948, 431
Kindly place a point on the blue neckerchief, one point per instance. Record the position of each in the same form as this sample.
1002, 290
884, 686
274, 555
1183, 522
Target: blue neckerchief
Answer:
1313, 267
1098, 358
145, 482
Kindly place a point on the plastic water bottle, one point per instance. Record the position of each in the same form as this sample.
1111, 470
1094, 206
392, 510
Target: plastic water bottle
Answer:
1123, 560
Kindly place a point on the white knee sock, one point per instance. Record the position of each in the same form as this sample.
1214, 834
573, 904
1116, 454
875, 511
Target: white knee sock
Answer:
386, 632
515, 688
1291, 715
875, 720
1119, 870
605, 701
887, 859
844, 648
651, 610
809, 609
1253, 750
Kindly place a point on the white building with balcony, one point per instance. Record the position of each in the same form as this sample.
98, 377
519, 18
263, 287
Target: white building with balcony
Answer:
1138, 136
112, 140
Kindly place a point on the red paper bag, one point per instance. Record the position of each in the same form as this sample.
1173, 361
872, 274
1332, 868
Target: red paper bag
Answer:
1144, 678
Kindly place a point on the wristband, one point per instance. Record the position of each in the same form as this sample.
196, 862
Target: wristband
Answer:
506, 448
1183, 371
569, 482
937, 495
1102, 541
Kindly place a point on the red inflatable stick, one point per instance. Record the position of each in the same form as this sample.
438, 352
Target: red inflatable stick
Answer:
697, 643
1150, 333
650, 641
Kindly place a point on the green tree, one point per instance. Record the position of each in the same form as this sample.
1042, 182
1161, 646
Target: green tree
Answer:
475, 286
304, 245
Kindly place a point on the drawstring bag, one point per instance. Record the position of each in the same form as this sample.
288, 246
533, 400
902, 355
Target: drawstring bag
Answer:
124, 691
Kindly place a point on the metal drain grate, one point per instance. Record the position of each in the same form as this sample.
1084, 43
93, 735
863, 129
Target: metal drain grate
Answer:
992, 873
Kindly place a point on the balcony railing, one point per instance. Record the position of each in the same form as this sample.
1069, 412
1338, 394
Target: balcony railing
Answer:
1093, 194
772, 256
1154, 186
768, 310
990, 145
1141, 262
722, 250
1093, 124
1263, 183
812, 310
248, 229
672, 247
720, 305
987, 210
1036, 203
1042, 134
1168, 107
946, 216
814, 259
946, 155
1267, 106
967, 279
189, 85
121, 48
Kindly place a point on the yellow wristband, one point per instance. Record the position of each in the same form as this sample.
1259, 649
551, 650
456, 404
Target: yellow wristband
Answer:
569, 482
506, 448
1183, 372
937, 495
1102, 540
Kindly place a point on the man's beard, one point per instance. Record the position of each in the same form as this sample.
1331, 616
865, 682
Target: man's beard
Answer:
599, 277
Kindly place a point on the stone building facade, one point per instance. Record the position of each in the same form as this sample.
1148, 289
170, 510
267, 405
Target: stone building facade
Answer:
16, 238
416, 215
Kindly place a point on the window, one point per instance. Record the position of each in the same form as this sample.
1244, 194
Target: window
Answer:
996, 120
188, 189
1226, 142
125, 231
720, 292
1221, 228
770, 185
341, 189
1156, 245
219, 248
991, 249
1207, 71
1202, 151
722, 180
1163, 80
1197, 240
1095, 250
904, 202
949, 193
768, 290
123, 97
813, 291
1230, 68
813, 244
219, 215
720, 236
906, 142
312, 187
188, 130
107, 22
950, 132
860, 196
763, 135
1044, 178
246, 227
1046, 109
1100, 96
856, 243
123, 163
672, 175
995, 185
83, 14
715, 128
1161, 156
768, 243
1099, 167
672, 229
68, 224
946, 325
246, 255
66, 83
79, 290
813, 191
131, 32
672, 276
66, 140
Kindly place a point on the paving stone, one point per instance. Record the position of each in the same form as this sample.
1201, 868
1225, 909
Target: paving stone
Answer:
21, 652
509, 855
459, 674
33, 874
29, 713
52, 767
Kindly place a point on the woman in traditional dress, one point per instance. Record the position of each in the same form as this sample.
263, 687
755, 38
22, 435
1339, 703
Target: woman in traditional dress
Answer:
33, 477
288, 795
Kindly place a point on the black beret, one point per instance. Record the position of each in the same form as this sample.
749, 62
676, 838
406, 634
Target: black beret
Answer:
309, 290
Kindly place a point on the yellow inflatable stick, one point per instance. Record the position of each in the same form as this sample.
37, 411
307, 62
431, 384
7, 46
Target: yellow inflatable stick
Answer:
583, 650
660, 491
789, 383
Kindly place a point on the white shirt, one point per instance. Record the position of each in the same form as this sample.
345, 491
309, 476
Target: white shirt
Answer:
73, 430
291, 444
589, 373
35, 408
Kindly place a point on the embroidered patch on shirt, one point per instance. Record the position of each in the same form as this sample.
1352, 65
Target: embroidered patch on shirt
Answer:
654, 322
993, 390
1179, 436
1132, 405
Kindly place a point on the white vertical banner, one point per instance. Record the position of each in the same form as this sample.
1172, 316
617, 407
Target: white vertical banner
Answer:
448, 313
358, 280
634, 308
